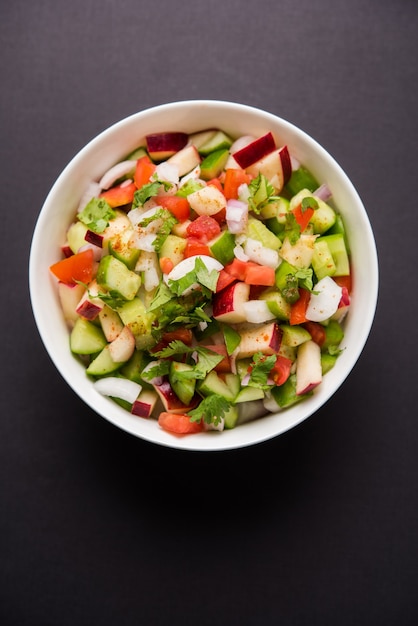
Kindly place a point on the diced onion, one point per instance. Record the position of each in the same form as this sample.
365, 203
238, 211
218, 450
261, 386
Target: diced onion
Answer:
257, 311
92, 191
258, 253
236, 216
118, 388
114, 173
168, 172
324, 300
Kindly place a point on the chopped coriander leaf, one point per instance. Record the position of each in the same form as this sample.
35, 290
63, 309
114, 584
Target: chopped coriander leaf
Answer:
148, 191
207, 360
292, 228
305, 278
159, 368
162, 295
168, 220
291, 291
199, 275
211, 410
96, 215
261, 192
204, 277
308, 203
261, 367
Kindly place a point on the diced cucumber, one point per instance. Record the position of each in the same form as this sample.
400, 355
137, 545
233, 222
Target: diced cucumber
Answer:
301, 178
233, 382
184, 388
134, 314
285, 395
122, 247
282, 272
86, 338
103, 364
248, 394
242, 367
277, 208
334, 334
173, 248
256, 229
276, 303
117, 278
323, 218
294, 335
136, 154
213, 384
132, 369
231, 417
217, 141
213, 164
322, 260
327, 362
336, 245
76, 235
222, 247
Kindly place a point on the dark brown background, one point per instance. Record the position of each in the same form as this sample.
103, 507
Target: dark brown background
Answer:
315, 528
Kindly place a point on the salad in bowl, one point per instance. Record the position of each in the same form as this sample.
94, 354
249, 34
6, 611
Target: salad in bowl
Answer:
206, 279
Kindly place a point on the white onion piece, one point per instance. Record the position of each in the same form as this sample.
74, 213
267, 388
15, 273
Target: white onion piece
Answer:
294, 163
243, 192
97, 251
167, 172
270, 403
241, 142
93, 190
257, 311
118, 388
324, 301
114, 173
151, 279
323, 192
157, 380
145, 242
236, 216
258, 253
240, 254
193, 175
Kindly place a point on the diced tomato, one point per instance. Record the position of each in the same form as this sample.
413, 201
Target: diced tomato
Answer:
281, 370
259, 275
344, 281
220, 217
233, 179
224, 279
119, 195
298, 308
224, 367
302, 216
216, 182
77, 267
177, 205
179, 424
166, 265
145, 168
237, 268
203, 228
180, 334
317, 332
195, 246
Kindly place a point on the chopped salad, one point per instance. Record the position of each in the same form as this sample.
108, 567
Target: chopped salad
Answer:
205, 280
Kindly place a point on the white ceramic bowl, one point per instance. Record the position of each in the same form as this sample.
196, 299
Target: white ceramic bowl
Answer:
112, 145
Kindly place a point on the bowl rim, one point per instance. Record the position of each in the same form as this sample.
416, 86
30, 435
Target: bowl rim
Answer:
259, 430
